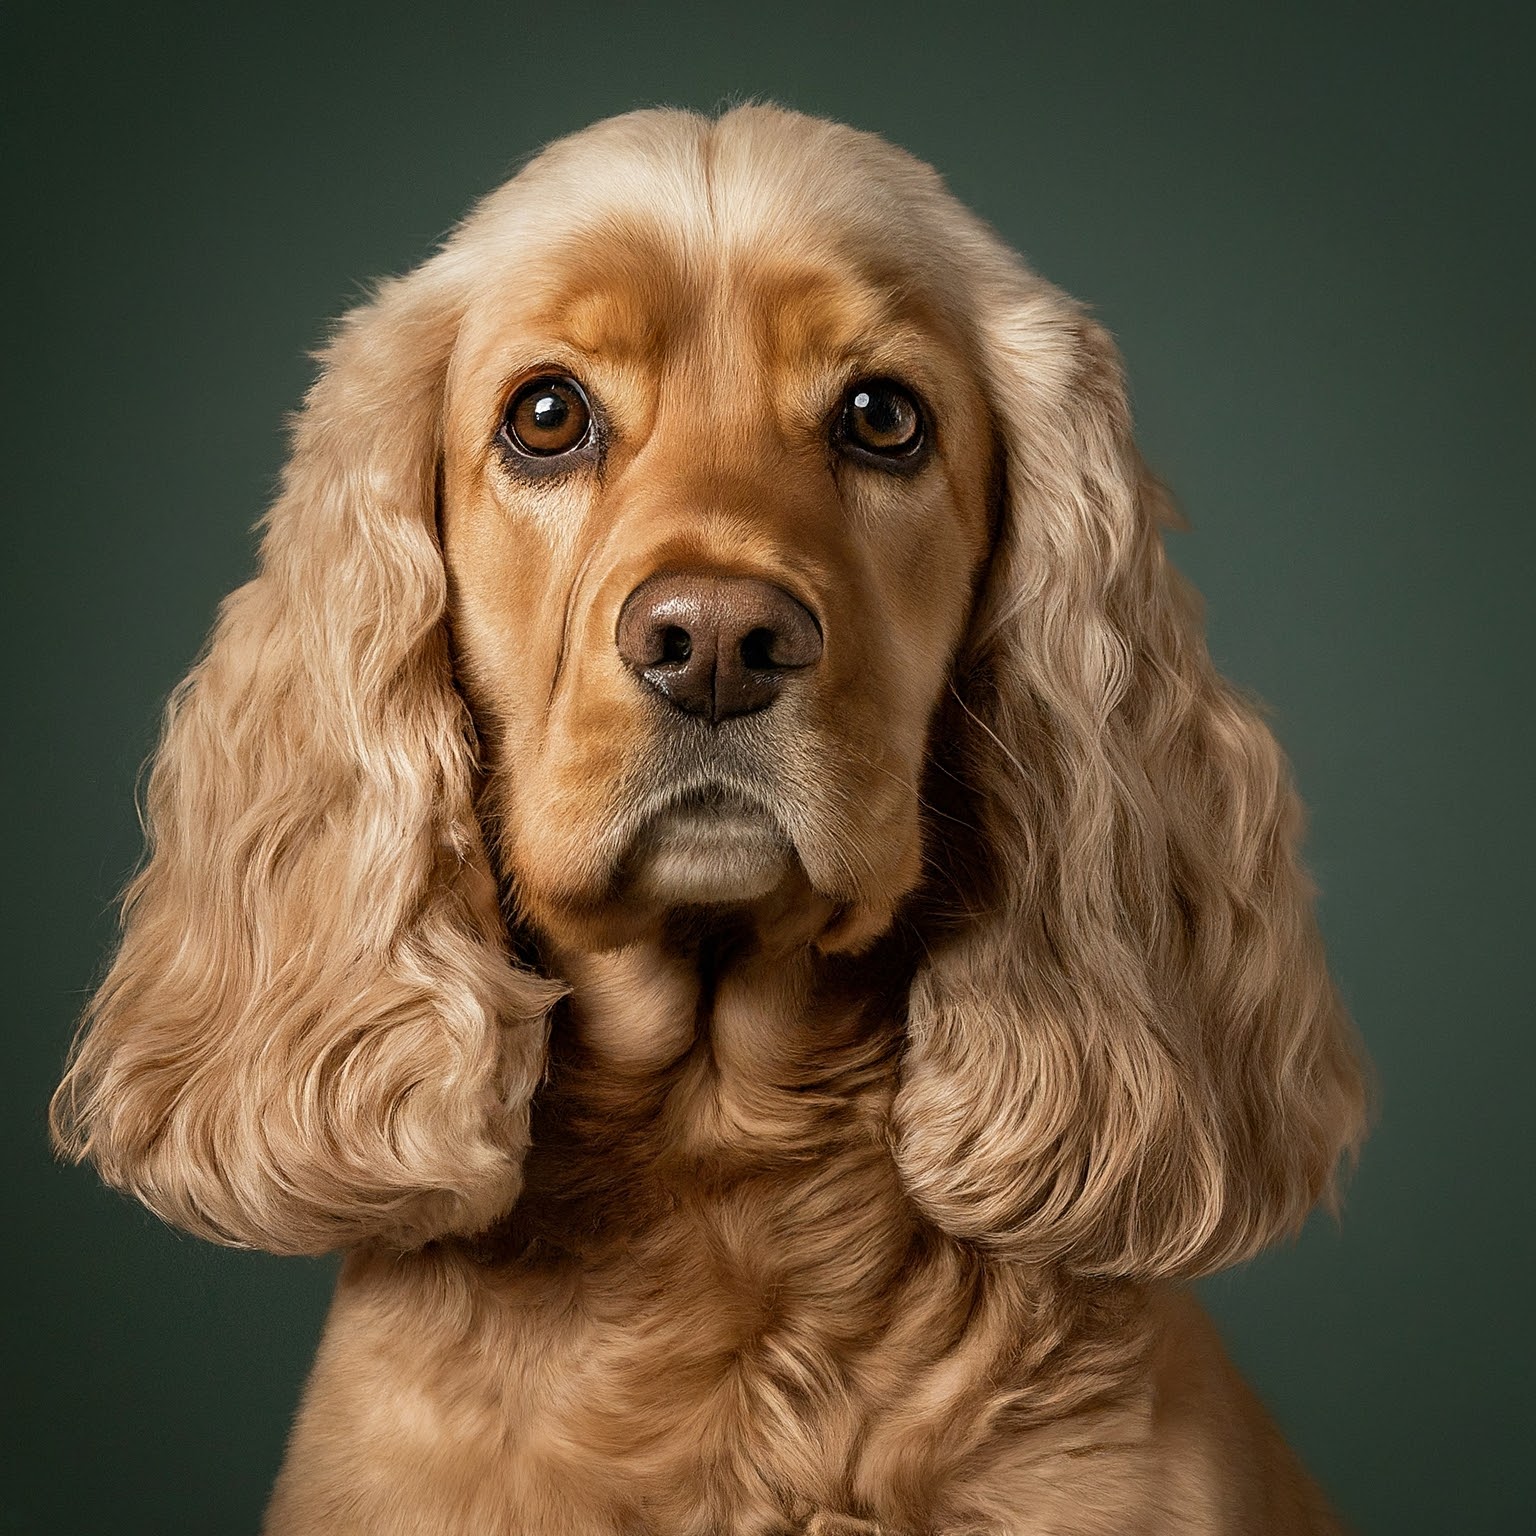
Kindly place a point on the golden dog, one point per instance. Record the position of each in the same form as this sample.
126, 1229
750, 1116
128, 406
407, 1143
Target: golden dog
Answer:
713, 860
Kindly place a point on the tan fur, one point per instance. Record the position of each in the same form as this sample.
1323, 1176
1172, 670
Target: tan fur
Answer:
856, 1206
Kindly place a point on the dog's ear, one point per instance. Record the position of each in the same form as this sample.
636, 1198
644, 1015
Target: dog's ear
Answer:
1133, 1062
313, 1033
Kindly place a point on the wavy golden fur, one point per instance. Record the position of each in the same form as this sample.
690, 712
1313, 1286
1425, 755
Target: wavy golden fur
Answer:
794, 1121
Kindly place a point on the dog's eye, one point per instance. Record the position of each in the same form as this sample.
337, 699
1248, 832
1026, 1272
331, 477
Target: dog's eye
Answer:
881, 418
546, 416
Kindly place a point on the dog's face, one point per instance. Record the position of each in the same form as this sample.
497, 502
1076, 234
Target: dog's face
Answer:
713, 512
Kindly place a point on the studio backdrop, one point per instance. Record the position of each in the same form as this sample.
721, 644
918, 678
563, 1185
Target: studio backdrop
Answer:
1309, 228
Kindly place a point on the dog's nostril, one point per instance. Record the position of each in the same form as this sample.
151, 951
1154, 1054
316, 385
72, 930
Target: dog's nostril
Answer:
757, 649
676, 644
715, 645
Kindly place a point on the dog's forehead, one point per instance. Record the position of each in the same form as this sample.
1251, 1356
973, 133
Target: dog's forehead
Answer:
763, 224
632, 289
754, 172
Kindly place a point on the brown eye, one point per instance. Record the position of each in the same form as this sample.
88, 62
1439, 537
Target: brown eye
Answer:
547, 415
881, 418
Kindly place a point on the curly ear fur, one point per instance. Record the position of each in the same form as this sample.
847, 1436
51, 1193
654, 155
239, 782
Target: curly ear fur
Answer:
312, 1033
1134, 1062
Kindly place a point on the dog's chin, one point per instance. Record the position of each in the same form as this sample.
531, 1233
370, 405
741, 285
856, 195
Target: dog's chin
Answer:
707, 852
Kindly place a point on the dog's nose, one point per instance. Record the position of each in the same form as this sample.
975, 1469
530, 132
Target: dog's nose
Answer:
715, 646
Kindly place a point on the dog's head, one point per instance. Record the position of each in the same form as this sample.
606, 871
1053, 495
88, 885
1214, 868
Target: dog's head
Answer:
720, 487
717, 469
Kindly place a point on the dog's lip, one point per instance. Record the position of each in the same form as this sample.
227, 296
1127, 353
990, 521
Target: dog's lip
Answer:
706, 844
711, 811
709, 814
699, 809
706, 798
714, 799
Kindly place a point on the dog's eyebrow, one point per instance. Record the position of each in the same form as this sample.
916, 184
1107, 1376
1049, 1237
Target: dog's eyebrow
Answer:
618, 319
617, 290
628, 289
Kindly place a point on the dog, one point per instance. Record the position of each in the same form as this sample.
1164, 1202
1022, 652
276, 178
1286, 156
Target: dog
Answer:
712, 861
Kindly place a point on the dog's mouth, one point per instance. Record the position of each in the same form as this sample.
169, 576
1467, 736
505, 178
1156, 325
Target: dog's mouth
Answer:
706, 845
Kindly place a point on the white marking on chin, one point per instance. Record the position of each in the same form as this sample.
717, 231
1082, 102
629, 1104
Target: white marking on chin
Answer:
700, 854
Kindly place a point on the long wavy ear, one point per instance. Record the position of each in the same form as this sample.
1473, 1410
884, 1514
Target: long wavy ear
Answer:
1133, 1062
313, 1033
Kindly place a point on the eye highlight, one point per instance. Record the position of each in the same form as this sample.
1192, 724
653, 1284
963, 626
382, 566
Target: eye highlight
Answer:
547, 416
881, 419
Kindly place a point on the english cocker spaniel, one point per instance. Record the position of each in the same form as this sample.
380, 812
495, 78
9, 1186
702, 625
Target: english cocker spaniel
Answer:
712, 860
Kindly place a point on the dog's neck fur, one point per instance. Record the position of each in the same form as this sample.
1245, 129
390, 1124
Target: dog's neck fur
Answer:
707, 1059
711, 1181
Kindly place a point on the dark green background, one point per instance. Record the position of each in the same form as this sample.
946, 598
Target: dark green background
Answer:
1310, 227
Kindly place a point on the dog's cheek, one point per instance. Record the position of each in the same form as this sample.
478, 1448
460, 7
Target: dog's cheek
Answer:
888, 859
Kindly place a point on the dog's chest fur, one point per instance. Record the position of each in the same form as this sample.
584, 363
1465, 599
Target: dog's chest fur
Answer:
713, 1309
